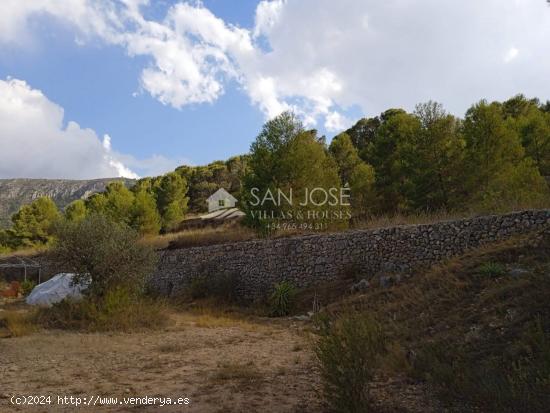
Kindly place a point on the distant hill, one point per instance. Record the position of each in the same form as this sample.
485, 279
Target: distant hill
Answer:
16, 192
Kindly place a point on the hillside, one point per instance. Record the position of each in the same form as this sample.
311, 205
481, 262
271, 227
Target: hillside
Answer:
16, 192
474, 331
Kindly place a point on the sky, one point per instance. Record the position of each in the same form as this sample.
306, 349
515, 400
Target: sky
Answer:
98, 88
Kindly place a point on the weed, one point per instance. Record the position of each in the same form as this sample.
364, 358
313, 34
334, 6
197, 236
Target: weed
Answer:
492, 269
171, 348
348, 353
282, 299
237, 371
27, 286
17, 323
118, 311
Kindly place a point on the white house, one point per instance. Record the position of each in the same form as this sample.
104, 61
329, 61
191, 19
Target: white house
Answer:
220, 199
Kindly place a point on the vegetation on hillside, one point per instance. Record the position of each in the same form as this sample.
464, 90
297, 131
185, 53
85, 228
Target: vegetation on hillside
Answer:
398, 163
476, 330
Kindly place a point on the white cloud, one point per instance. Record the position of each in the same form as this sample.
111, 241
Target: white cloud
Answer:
511, 54
319, 56
336, 122
114, 162
267, 16
92, 17
36, 144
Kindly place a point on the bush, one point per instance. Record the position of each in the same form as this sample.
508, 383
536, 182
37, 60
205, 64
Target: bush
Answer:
348, 352
492, 269
117, 311
17, 323
116, 264
107, 253
27, 286
282, 299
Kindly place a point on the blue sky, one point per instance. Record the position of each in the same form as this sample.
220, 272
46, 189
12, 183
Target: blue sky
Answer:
96, 88
95, 85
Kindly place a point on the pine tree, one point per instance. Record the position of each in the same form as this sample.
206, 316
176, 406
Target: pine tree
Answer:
432, 159
391, 180
145, 216
286, 158
33, 224
345, 155
76, 211
171, 199
496, 169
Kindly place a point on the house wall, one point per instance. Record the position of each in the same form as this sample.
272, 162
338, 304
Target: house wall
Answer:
214, 205
307, 260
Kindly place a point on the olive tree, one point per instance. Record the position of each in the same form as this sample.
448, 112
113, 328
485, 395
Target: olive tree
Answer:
104, 253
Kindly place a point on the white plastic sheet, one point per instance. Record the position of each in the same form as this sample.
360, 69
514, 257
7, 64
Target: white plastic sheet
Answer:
55, 290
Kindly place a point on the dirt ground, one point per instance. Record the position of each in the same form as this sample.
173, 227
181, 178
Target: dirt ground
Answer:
220, 363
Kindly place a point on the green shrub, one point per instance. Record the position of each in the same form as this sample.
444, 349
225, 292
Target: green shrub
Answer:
107, 253
348, 352
282, 299
492, 269
27, 286
117, 311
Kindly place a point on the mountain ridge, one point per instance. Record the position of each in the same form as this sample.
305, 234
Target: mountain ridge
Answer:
16, 192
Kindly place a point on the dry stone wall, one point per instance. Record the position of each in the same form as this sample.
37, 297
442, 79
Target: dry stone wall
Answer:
307, 260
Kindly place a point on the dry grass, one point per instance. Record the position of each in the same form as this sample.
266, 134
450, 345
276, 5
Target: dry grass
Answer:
201, 237
385, 221
209, 321
211, 366
18, 323
453, 323
171, 348
25, 252
140, 314
207, 316
242, 372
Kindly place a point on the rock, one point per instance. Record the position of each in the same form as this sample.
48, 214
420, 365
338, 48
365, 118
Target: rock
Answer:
385, 281
362, 285
518, 272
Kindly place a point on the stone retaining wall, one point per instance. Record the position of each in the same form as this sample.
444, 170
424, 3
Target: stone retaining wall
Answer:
306, 260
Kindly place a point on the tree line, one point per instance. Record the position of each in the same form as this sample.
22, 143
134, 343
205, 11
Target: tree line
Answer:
496, 158
151, 206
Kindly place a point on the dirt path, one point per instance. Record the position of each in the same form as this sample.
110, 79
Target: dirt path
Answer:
221, 365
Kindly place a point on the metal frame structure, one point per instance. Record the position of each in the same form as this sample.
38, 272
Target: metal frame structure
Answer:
22, 262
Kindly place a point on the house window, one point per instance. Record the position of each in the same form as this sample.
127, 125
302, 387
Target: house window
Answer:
221, 202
